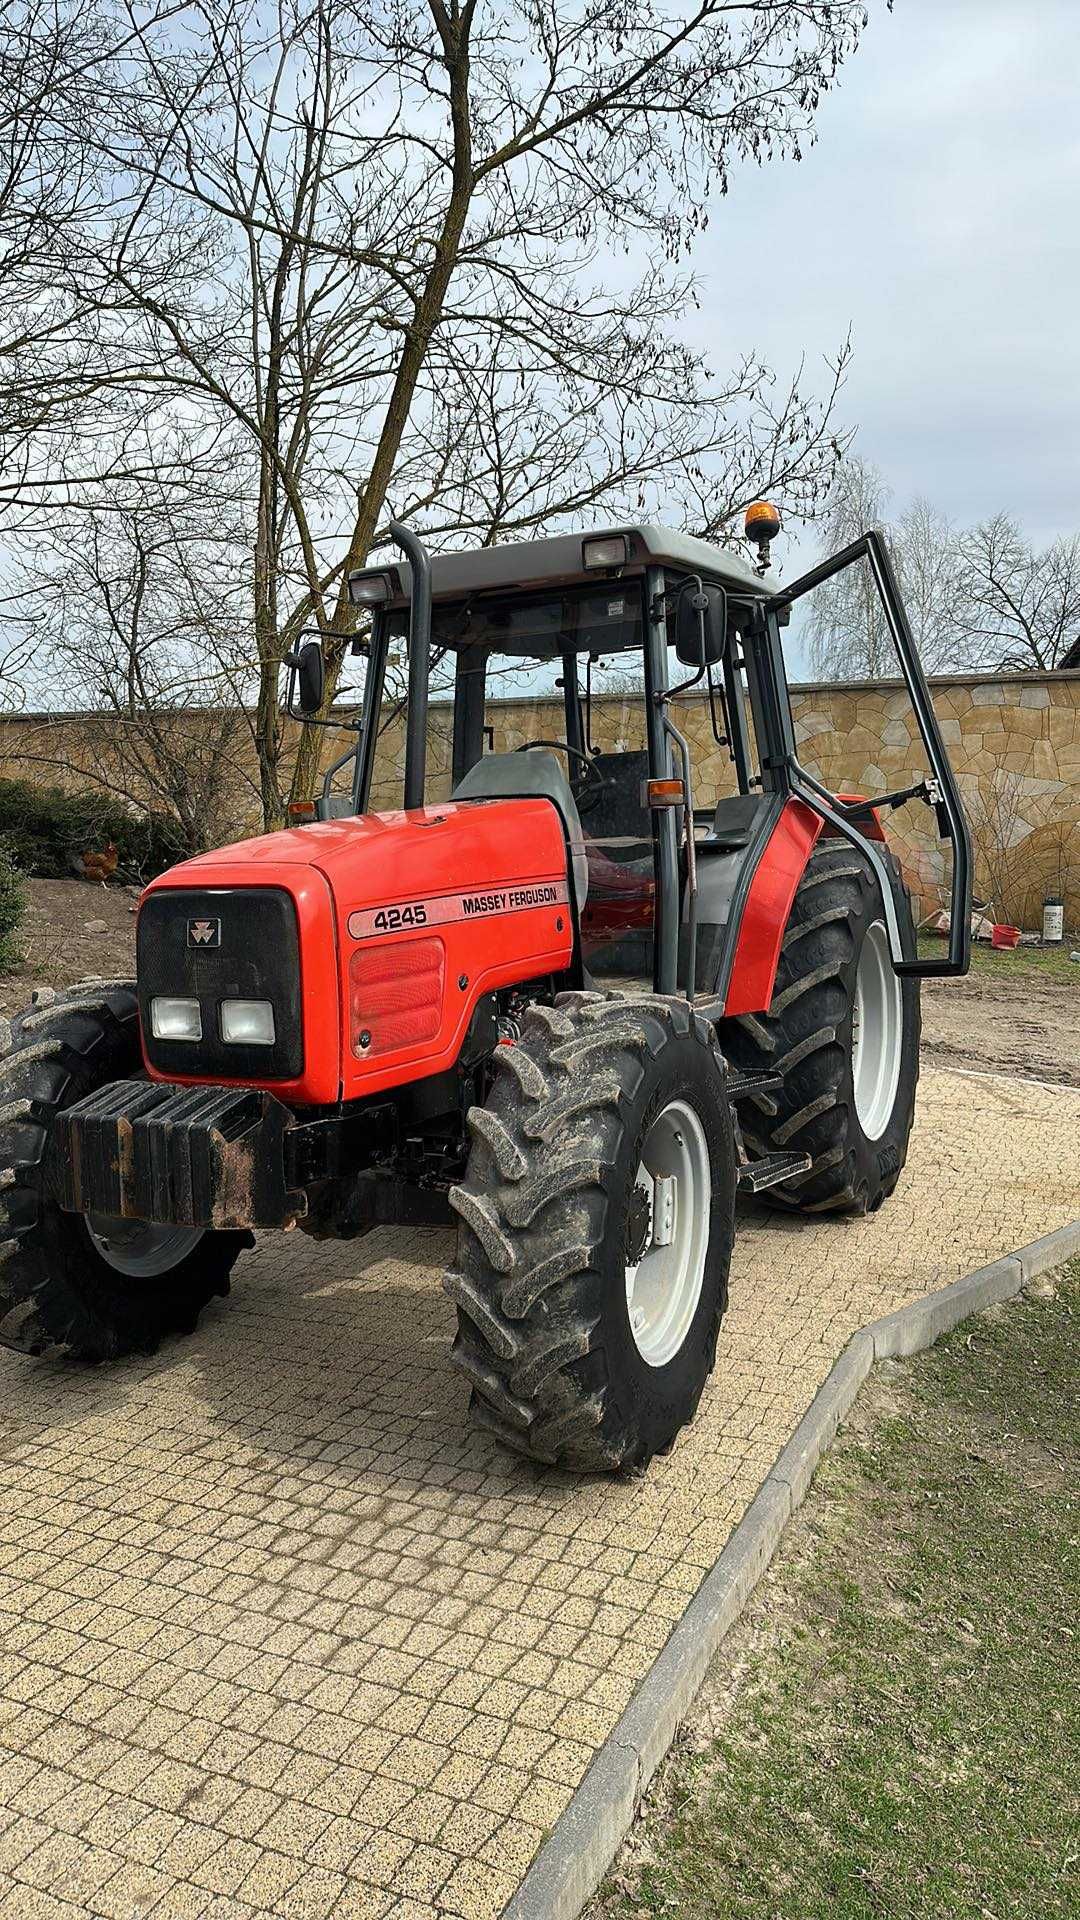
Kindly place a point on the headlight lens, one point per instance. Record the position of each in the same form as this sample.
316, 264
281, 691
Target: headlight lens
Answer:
248, 1023
175, 1019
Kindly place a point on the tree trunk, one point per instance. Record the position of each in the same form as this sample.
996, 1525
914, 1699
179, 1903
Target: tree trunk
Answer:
268, 723
428, 313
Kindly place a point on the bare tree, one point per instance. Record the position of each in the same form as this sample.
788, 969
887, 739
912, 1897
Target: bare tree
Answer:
21, 637
517, 458
66, 415
42, 191
924, 547
144, 623
1019, 607
70, 422
366, 257
46, 49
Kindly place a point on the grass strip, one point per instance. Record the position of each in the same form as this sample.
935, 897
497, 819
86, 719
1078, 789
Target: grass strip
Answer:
892, 1729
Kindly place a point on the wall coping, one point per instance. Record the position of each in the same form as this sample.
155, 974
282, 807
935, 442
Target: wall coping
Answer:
1069, 676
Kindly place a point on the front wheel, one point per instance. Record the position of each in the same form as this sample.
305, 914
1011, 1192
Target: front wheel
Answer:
842, 1031
596, 1227
92, 1287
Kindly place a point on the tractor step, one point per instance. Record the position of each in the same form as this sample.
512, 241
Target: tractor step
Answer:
756, 1175
743, 1082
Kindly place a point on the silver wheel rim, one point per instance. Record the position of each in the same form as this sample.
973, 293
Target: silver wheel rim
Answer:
877, 1029
663, 1286
140, 1248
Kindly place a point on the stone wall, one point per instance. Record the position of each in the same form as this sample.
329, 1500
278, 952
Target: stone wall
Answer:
1014, 741
1015, 745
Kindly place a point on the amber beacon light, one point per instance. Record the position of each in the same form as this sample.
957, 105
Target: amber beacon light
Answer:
761, 525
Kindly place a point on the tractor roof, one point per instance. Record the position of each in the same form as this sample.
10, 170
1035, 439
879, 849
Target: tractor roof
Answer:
557, 560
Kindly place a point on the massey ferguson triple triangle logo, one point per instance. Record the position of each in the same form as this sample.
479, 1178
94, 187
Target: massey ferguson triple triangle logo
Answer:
204, 933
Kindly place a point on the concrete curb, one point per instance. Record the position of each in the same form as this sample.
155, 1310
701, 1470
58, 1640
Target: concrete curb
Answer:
573, 1860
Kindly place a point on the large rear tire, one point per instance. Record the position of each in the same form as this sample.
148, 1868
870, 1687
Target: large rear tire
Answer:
93, 1288
596, 1227
843, 1031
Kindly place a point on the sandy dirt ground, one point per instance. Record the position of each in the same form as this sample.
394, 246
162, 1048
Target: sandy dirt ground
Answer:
1026, 1025
72, 928
1021, 1025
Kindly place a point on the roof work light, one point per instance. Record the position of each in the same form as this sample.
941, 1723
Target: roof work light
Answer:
369, 589
604, 552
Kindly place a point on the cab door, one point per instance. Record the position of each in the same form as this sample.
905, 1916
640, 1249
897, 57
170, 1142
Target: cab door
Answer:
937, 787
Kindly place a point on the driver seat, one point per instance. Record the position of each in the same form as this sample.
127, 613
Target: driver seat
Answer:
532, 773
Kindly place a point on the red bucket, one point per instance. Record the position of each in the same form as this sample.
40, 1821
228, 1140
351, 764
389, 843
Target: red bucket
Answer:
1003, 936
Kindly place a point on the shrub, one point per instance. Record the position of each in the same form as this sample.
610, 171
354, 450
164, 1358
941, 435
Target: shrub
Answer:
12, 908
46, 830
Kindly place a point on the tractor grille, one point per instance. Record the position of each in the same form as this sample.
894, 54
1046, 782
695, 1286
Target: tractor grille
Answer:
253, 953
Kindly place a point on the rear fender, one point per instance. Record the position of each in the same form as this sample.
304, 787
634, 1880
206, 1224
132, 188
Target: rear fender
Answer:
766, 889
869, 823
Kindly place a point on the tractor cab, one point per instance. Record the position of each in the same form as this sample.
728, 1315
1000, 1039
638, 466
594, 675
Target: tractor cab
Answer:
522, 640
527, 666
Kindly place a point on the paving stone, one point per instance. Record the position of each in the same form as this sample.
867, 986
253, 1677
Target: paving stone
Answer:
360, 1902
281, 1635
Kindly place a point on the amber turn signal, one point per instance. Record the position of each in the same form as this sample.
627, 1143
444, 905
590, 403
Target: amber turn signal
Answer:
663, 793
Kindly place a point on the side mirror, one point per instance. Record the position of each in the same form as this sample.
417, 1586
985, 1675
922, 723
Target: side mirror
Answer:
310, 669
700, 624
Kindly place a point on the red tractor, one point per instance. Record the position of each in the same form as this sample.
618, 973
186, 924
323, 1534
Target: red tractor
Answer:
565, 1008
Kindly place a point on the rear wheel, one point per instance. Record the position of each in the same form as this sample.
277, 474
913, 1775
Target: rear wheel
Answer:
94, 1287
843, 1031
596, 1226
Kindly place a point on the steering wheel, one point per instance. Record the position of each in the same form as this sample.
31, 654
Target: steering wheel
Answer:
589, 795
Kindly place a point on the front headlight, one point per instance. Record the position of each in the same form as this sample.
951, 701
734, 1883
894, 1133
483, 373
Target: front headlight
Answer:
248, 1023
175, 1019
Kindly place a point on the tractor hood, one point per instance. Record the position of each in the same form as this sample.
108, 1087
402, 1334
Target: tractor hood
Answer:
324, 844
328, 844
326, 921
376, 859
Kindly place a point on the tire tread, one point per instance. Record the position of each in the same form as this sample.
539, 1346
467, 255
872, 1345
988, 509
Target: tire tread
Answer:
533, 1209
800, 1037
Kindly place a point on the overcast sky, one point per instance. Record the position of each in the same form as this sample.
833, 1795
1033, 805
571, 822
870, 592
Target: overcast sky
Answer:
939, 216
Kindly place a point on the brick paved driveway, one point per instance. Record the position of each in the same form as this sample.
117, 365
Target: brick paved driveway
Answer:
279, 1635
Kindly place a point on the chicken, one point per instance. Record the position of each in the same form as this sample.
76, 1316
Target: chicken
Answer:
99, 865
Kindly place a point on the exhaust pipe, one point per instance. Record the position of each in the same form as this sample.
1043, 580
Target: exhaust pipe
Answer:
419, 660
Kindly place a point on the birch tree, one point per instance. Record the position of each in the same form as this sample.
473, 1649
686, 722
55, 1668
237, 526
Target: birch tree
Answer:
848, 634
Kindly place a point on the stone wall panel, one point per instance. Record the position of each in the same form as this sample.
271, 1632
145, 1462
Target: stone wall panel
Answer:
1014, 740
